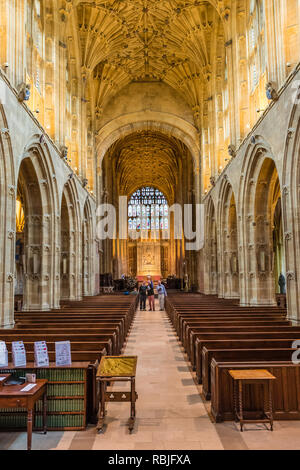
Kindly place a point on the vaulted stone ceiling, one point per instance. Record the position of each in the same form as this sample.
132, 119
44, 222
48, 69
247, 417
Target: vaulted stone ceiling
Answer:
147, 158
144, 40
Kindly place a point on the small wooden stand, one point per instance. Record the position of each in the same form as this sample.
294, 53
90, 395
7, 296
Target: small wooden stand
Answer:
253, 376
116, 369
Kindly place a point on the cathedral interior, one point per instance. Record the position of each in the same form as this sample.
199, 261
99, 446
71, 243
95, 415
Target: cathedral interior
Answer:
155, 109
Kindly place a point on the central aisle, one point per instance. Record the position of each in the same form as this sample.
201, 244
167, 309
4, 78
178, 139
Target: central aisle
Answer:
170, 412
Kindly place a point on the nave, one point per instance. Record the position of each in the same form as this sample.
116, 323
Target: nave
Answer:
171, 413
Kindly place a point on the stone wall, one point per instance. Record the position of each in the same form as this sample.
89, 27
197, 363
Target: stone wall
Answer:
264, 171
31, 163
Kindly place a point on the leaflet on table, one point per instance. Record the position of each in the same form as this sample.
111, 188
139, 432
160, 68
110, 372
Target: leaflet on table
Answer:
41, 357
28, 388
18, 354
63, 353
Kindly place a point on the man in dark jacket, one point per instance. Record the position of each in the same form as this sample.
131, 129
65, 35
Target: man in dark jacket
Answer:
150, 293
143, 294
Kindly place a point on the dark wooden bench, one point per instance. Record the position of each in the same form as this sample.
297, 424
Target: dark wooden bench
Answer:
233, 336
228, 331
240, 344
286, 390
245, 355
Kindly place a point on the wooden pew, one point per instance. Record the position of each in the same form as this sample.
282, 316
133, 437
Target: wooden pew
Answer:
240, 344
106, 329
195, 320
245, 355
286, 393
91, 351
190, 329
180, 317
60, 336
233, 336
228, 330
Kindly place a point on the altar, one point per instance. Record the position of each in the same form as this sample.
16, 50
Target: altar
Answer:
148, 260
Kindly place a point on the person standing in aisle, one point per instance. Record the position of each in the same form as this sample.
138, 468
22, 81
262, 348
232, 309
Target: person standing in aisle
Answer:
143, 295
162, 294
150, 293
149, 279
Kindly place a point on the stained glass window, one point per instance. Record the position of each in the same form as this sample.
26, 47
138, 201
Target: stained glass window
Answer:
148, 210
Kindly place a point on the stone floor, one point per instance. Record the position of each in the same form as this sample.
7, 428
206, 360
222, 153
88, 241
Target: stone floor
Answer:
170, 412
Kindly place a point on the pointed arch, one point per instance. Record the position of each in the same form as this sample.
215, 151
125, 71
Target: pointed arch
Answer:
88, 251
260, 191
37, 184
211, 249
228, 241
70, 243
7, 224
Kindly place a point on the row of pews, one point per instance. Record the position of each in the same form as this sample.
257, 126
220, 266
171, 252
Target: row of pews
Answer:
95, 326
218, 335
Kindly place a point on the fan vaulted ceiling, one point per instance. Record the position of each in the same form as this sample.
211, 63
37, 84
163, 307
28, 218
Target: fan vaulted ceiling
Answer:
140, 40
147, 158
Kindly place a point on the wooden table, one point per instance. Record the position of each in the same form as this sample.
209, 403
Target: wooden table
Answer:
12, 396
116, 369
253, 376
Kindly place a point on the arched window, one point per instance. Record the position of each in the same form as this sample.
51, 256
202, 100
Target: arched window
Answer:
148, 209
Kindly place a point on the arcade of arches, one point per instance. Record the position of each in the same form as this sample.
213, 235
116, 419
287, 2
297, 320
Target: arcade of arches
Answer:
197, 100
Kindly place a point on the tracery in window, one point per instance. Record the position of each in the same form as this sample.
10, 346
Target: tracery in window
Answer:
148, 209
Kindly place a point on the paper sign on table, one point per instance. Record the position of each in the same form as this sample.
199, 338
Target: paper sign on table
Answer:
63, 353
18, 354
28, 387
41, 357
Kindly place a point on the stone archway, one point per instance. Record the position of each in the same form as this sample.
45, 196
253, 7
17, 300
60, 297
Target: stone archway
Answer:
211, 251
291, 213
263, 194
7, 224
70, 245
88, 255
229, 284
35, 190
148, 121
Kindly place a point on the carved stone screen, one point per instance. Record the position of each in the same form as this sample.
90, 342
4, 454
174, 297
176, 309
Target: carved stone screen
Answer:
148, 259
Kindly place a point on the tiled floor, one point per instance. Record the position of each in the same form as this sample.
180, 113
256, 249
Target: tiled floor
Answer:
170, 412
